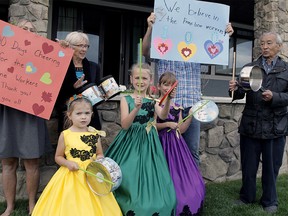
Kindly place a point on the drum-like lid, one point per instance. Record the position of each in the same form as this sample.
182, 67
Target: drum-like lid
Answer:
105, 78
205, 111
97, 185
83, 88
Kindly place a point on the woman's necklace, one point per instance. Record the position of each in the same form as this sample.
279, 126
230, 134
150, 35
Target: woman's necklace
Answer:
79, 72
78, 68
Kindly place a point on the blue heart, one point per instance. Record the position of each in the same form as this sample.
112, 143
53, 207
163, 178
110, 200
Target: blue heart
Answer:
61, 53
30, 68
213, 49
7, 32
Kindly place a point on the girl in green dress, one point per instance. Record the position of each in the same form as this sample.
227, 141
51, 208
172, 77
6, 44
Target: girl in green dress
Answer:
146, 188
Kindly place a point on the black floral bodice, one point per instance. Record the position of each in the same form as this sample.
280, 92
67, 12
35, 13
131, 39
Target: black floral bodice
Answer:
146, 113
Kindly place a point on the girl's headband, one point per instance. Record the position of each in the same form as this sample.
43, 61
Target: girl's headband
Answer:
77, 97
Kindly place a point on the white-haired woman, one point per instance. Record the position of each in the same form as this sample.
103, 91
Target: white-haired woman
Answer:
79, 73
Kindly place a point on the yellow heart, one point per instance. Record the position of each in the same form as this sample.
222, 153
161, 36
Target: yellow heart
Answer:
46, 78
186, 50
28, 69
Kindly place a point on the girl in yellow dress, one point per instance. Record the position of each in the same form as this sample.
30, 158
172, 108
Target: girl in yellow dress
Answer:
68, 193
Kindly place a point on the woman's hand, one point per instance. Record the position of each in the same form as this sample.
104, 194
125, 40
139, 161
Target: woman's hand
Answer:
63, 43
80, 82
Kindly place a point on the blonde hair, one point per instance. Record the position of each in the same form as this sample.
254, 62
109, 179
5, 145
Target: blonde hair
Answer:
22, 22
146, 67
76, 37
70, 108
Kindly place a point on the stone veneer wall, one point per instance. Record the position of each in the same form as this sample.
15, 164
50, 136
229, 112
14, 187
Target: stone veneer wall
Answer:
36, 11
270, 15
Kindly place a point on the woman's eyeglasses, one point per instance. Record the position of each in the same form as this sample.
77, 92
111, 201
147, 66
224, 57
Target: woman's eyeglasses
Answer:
82, 46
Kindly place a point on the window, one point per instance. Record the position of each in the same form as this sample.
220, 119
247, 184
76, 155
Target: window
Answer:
74, 18
113, 33
4, 12
215, 78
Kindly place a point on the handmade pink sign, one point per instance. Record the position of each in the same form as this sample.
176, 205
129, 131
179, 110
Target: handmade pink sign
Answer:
32, 70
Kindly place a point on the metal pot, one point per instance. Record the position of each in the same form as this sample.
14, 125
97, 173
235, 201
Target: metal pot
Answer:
251, 78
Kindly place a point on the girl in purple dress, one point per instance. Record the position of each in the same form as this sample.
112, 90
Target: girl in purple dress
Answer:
187, 179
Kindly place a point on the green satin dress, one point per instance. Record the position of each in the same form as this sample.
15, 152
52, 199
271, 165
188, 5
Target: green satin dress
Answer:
146, 188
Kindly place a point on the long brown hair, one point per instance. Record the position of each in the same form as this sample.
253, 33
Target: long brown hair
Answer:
167, 78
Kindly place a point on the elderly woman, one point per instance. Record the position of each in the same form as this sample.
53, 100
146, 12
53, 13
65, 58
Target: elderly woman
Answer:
80, 72
24, 136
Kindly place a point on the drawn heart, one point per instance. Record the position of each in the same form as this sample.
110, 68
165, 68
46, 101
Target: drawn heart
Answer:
11, 69
162, 46
212, 49
37, 109
46, 79
61, 54
7, 32
187, 50
47, 48
30, 68
27, 43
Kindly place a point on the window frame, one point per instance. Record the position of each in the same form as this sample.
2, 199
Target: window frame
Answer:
210, 73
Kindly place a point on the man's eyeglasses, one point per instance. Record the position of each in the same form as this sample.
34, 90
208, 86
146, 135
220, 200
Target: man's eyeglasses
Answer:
82, 46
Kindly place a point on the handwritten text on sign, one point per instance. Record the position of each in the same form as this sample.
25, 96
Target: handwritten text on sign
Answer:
32, 70
189, 30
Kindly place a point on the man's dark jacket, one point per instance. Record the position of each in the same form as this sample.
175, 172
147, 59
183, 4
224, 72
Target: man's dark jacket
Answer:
266, 119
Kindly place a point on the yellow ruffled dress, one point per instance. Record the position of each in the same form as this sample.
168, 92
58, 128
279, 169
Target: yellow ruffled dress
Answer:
68, 193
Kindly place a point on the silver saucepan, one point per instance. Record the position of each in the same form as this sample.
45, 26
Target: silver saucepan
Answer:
251, 78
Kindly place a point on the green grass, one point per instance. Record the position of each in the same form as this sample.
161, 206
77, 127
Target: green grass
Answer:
219, 200
20, 208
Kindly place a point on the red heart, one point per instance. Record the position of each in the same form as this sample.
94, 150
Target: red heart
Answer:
11, 69
26, 42
186, 51
47, 48
162, 48
213, 49
37, 109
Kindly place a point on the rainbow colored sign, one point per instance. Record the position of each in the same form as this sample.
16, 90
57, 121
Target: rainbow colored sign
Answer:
32, 70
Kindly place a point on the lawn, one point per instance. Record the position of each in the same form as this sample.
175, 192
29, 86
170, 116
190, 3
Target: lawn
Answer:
219, 201
220, 198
